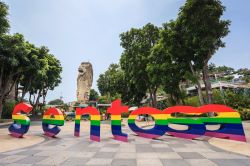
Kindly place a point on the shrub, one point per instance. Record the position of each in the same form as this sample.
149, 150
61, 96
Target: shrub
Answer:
244, 113
125, 114
192, 101
8, 108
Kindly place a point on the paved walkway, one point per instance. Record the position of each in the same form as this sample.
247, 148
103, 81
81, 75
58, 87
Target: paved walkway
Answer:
234, 146
69, 150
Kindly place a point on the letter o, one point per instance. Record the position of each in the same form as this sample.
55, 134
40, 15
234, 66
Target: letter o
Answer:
161, 123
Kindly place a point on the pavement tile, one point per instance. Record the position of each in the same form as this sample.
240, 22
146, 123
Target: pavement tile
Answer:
53, 160
198, 145
28, 152
143, 146
169, 155
177, 145
82, 154
124, 162
154, 141
131, 150
146, 155
159, 146
183, 150
75, 161
89, 149
174, 162
112, 145
144, 149
17, 164
31, 159
54, 143
47, 153
149, 162
3, 155
170, 151
125, 155
222, 155
201, 150
14, 152
104, 155
99, 161
191, 155
201, 162
96, 145
11, 158
127, 145
162, 149
232, 162
108, 149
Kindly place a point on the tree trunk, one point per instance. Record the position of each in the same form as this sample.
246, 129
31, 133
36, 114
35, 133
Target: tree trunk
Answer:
172, 97
151, 98
182, 101
29, 98
201, 99
22, 97
154, 104
37, 100
25, 90
1, 107
208, 85
16, 91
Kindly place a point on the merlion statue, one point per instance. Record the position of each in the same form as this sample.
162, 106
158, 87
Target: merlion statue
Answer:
84, 82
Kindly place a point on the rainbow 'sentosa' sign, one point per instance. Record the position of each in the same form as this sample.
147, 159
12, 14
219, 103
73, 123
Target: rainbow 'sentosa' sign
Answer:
228, 119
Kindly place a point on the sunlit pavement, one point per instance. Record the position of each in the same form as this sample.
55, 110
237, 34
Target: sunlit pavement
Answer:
69, 150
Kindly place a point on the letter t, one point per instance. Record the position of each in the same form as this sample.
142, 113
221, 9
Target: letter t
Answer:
115, 110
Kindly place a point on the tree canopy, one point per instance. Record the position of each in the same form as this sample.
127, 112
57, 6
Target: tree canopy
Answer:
137, 45
93, 96
202, 30
25, 67
171, 55
4, 23
111, 82
56, 102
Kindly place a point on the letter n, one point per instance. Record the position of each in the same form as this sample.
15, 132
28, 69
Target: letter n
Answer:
94, 122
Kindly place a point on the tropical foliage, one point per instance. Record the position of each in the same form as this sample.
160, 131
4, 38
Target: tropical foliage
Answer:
23, 66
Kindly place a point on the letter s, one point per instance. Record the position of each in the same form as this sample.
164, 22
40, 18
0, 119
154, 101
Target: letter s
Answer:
21, 122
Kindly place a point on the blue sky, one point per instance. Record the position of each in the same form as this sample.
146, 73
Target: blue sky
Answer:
88, 30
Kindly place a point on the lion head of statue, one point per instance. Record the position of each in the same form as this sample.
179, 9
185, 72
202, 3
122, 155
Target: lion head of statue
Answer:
85, 72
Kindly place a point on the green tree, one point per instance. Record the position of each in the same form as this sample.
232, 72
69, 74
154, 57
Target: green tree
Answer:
172, 38
24, 66
4, 23
13, 63
165, 68
93, 96
56, 102
103, 84
137, 44
48, 79
203, 30
212, 68
36, 69
110, 83
246, 74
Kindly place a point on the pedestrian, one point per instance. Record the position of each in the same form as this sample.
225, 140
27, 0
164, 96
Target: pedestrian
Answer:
103, 116
147, 119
